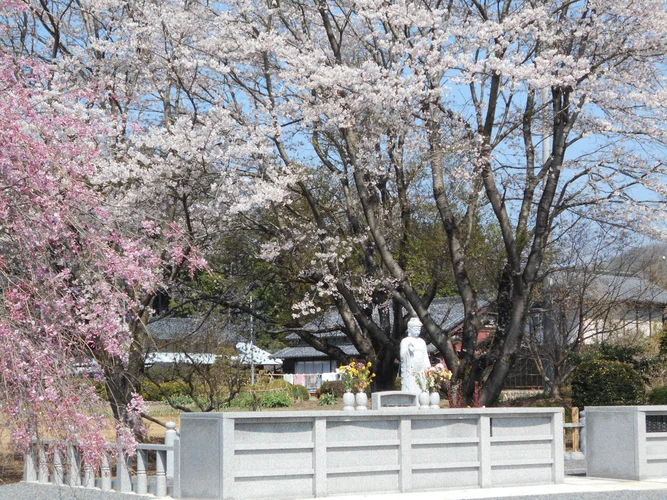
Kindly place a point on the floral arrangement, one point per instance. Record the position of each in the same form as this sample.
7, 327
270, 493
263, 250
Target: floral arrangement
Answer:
356, 376
431, 378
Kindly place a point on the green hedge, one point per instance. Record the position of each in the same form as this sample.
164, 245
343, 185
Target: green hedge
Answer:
151, 392
658, 396
334, 387
606, 383
299, 392
276, 383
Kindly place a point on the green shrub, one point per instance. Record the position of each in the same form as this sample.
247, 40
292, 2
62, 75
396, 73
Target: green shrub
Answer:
636, 354
662, 345
334, 387
658, 396
606, 383
151, 392
261, 399
181, 400
242, 400
278, 383
277, 399
299, 392
160, 374
326, 399
101, 391
620, 352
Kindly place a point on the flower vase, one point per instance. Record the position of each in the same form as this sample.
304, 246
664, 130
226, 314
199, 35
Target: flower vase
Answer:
434, 400
348, 401
424, 400
362, 400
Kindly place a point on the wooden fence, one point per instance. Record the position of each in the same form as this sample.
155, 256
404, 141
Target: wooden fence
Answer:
573, 437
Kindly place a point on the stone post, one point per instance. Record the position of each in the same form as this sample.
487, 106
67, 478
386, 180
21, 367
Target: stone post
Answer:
582, 439
169, 437
123, 474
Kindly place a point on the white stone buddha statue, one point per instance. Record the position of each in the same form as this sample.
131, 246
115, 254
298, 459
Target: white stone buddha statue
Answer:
414, 357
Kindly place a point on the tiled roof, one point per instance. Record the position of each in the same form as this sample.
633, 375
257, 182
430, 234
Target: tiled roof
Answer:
306, 351
611, 287
447, 312
327, 320
310, 352
179, 328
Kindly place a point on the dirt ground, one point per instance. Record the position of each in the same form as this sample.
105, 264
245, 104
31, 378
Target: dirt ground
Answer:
11, 468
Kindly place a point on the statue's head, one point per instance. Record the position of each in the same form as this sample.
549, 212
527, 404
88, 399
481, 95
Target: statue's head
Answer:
414, 327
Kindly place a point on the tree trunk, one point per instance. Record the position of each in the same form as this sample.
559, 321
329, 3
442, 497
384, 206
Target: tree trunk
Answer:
385, 373
555, 388
507, 356
122, 379
121, 382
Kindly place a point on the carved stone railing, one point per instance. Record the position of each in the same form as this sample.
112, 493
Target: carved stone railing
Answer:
60, 463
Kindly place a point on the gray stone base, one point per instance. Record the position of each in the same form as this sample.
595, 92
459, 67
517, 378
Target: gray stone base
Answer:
326, 453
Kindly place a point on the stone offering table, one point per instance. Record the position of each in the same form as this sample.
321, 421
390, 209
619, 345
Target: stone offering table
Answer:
398, 400
321, 453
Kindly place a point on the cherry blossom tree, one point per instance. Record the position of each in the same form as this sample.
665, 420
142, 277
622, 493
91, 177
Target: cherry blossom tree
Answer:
335, 131
70, 279
139, 198
370, 106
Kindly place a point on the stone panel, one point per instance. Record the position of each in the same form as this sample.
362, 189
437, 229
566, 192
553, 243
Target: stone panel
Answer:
526, 426
260, 460
351, 457
362, 430
264, 431
523, 474
520, 450
442, 479
362, 482
444, 453
273, 487
441, 427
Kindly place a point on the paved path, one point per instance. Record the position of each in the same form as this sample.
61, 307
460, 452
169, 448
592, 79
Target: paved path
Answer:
575, 487
34, 491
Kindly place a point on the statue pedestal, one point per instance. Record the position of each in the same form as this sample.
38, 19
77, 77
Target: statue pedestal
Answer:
394, 399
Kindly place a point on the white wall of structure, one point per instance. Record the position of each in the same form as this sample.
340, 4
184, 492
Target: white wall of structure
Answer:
315, 454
